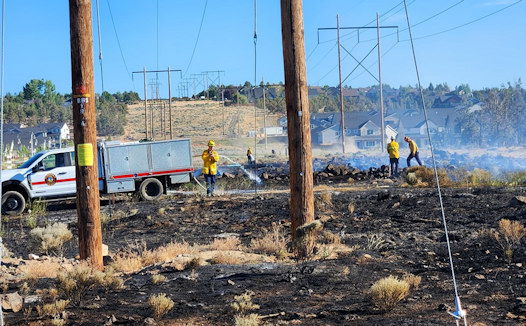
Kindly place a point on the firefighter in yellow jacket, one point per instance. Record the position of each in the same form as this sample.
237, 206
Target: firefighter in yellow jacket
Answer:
210, 159
394, 156
413, 148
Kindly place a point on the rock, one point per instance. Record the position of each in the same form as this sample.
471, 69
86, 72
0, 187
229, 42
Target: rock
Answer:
149, 321
33, 257
105, 250
518, 201
32, 298
12, 302
226, 235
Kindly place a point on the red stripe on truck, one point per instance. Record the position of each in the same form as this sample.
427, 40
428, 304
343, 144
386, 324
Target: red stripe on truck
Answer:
124, 176
57, 181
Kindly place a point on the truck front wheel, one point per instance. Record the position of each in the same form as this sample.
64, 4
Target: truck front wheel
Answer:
13, 203
151, 189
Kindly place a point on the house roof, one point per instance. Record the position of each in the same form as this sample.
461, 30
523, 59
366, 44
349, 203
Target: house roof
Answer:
440, 117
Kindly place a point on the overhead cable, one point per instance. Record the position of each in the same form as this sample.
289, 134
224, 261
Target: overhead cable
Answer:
119, 42
197, 39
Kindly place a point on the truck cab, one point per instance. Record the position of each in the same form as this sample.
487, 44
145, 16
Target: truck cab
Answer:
47, 174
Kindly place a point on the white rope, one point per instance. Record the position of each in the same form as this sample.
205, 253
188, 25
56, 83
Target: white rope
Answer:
459, 313
1, 140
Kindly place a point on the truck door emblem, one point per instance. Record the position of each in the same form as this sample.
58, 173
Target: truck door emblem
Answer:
50, 179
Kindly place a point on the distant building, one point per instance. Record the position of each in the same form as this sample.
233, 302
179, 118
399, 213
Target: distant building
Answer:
363, 128
47, 135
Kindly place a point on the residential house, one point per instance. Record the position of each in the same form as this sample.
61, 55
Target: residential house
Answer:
362, 129
46, 135
444, 126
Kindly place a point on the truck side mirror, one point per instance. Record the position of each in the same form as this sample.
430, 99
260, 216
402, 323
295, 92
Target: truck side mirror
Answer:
37, 168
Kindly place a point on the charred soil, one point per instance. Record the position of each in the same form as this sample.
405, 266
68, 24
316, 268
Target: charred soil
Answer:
391, 230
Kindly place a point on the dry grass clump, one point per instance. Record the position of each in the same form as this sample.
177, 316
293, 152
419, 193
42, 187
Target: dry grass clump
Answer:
230, 243
425, 177
75, 283
166, 253
35, 269
52, 237
413, 280
136, 258
226, 259
375, 242
247, 320
351, 208
194, 263
480, 178
158, 278
387, 292
323, 201
509, 236
272, 242
514, 179
127, 262
160, 305
52, 309
327, 237
243, 303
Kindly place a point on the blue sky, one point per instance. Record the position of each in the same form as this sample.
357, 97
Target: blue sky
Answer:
486, 53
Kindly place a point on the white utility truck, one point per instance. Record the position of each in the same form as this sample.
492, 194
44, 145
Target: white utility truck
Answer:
148, 168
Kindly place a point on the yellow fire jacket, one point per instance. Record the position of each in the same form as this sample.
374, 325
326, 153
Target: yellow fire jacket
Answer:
392, 149
413, 147
210, 162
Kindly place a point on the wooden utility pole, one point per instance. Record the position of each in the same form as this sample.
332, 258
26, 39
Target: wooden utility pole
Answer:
342, 115
298, 121
382, 113
85, 132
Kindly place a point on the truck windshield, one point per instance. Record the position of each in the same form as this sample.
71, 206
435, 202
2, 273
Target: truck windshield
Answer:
31, 160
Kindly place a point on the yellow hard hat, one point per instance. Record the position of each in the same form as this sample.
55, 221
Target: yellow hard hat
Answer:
211, 143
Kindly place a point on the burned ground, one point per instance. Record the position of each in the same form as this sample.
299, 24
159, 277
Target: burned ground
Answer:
394, 231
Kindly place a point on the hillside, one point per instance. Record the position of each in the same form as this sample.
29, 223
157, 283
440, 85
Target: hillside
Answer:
201, 121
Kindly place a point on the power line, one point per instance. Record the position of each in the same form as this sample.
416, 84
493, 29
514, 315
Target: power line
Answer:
311, 52
422, 21
375, 62
197, 39
465, 24
323, 58
346, 36
119, 42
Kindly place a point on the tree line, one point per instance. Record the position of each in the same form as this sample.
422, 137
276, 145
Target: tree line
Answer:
39, 102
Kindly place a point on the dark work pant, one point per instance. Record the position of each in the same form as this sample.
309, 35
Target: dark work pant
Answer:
394, 166
210, 183
410, 157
